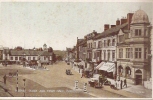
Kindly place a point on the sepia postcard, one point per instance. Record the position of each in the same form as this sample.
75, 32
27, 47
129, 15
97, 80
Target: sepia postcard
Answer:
81, 49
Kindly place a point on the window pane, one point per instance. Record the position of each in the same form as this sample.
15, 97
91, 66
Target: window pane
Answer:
139, 32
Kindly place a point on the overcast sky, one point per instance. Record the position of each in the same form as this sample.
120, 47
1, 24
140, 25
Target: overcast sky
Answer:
58, 24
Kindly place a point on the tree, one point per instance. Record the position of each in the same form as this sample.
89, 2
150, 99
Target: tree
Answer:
54, 57
50, 49
18, 48
59, 58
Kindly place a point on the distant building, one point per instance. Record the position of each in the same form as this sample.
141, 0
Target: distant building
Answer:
16, 56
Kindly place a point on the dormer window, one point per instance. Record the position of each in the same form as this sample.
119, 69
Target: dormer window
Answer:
137, 32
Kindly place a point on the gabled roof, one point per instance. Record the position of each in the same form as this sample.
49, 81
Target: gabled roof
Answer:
83, 42
80, 40
45, 53
111, 31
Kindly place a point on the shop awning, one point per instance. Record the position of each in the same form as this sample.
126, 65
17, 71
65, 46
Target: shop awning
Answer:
109, 67
82, 63
100, 65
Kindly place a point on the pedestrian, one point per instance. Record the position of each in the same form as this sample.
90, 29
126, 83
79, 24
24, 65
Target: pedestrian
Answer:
4, 79
121, 84
125, 83
116, 83
82, 73
100, 80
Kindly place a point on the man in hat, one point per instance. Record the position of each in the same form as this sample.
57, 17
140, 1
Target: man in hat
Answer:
100, 80
121, 84
125, 83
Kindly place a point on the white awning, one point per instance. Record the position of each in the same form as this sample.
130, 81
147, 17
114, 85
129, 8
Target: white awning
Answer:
109, 67
100, 65
82, 63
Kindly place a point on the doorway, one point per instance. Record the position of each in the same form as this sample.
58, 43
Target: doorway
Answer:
138, 77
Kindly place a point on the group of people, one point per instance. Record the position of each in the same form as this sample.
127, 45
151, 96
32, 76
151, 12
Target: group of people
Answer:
119, 84
89, 75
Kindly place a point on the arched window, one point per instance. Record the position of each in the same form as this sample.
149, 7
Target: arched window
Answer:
138, 71
128, 70
120, 70
113, 42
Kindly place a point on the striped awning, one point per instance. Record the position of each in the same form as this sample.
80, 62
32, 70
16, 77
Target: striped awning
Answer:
100, 65
109, 67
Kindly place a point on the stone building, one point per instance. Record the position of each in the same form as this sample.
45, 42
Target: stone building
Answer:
133, 49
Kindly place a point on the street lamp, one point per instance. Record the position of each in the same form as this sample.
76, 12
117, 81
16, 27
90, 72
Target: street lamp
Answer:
24, 86
24, 59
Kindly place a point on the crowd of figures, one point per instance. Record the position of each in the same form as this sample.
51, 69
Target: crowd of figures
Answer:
118, 84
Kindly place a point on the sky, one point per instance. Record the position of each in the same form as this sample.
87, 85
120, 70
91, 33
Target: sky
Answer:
58, 24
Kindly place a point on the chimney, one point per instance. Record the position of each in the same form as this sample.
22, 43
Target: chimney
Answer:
123, 20
129, 19
106, 27
118, 22
113, 26
77, 50
94, 33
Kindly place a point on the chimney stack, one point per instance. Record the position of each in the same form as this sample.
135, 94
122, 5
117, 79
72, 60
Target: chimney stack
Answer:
123, 20
118, 22
106, 27
129, 19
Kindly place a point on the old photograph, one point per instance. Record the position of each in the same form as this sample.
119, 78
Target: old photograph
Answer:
76, 49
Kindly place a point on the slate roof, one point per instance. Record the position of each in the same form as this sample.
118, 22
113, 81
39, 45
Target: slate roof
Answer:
29, 53
111, 31
80, 40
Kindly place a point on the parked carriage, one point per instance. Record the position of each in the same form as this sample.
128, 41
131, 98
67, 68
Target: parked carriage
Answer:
94, 82
68, 72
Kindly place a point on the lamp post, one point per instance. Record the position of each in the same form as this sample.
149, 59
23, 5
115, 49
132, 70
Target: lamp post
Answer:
24, 86
17, 81
24, 60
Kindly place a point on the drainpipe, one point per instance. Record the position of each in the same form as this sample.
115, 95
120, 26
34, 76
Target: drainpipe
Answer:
117, 74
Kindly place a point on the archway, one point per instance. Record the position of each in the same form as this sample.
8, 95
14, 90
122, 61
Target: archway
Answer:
138, 77
127, 71
120, 70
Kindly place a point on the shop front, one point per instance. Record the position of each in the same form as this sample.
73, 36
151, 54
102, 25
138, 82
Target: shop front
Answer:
107, 69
